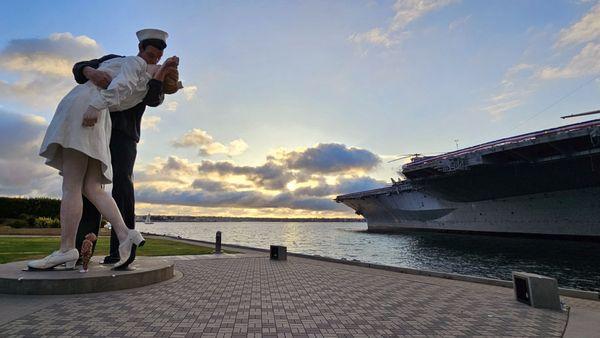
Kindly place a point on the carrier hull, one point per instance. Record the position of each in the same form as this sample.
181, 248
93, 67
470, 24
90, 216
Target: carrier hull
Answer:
569, 213
545, 183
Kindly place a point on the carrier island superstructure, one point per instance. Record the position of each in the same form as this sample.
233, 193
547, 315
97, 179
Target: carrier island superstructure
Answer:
540, 183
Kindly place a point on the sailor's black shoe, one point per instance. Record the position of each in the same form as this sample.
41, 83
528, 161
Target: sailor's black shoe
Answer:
110, 260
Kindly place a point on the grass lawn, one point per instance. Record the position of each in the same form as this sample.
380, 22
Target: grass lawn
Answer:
23, 248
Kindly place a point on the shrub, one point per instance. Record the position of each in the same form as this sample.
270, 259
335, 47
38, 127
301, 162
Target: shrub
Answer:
29, 219
18, 223
12, 207
46, 222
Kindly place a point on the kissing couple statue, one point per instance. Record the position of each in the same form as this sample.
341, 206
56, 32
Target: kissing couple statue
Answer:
78, 138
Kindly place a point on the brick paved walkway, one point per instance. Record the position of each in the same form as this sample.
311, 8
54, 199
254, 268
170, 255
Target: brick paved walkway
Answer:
253, 296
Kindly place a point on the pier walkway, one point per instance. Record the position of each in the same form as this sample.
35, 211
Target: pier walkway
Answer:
248, 295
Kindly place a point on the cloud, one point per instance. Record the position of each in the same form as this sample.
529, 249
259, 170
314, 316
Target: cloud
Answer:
22, 171
43, 67
38, 92
150, 122
515, 87
521, 80
54, 55
289, 180
235, 199
459, 23
171, 106
269, 175
173, 169
330, 158
585, 30
344, 185
405, 12
207, 145
175, 164
210, 185
190, 92
354, 184
586, 62
217, 186
20, 135
375, 37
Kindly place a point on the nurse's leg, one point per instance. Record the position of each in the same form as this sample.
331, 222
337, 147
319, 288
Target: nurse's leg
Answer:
92, 190
74, 166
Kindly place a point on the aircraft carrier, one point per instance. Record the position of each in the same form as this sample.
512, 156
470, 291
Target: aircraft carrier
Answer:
544, 183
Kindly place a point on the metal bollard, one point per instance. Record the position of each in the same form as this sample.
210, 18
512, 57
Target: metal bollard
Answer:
218, 243
536, 290
278, 252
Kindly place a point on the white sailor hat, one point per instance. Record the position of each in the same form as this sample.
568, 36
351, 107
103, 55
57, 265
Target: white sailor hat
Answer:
151, 33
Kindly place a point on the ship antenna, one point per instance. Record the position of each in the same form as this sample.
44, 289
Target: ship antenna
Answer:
581, 114
558, 101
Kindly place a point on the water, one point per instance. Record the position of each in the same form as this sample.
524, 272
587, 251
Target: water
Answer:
574, 264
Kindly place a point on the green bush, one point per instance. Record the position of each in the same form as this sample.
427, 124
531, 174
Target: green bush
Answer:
29, 219
18, 223
12, 207
46, 222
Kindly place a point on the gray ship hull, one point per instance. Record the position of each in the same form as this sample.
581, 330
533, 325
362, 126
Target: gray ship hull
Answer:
568, 213
544, 183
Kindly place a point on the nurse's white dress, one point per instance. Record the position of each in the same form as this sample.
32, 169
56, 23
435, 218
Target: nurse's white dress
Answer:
128, 88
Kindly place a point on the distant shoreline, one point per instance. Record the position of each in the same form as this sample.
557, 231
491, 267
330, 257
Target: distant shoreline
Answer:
167, 218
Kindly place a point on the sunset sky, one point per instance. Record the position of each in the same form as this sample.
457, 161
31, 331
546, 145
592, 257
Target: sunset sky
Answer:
290, 103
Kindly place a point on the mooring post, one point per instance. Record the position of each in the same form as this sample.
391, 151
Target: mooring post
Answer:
218, 243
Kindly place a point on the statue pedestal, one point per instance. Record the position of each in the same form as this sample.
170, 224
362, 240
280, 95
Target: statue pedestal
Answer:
16, 279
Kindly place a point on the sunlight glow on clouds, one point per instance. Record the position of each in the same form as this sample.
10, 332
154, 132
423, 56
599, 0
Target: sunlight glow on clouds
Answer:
190, 92
43, 67
298, 93
150, 122
302, 179
198, 138
171, 106
54, 55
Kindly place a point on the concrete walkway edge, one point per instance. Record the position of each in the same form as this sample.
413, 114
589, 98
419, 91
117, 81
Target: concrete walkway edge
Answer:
574, 293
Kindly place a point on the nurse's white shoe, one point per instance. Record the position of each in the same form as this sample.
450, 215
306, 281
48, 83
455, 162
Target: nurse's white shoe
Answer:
127, 249
69, 258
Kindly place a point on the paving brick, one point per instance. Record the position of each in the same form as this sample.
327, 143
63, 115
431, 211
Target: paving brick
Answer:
256, 297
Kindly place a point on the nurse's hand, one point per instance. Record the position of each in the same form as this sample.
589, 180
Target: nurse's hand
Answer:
99, 78
173, 61
170, 63
90, 117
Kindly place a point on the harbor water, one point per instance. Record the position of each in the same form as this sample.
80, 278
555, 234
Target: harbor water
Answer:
575, 264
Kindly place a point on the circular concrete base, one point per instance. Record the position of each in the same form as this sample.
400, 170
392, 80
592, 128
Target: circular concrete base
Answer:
16, 279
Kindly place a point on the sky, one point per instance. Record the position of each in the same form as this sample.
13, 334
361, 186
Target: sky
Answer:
289, 103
